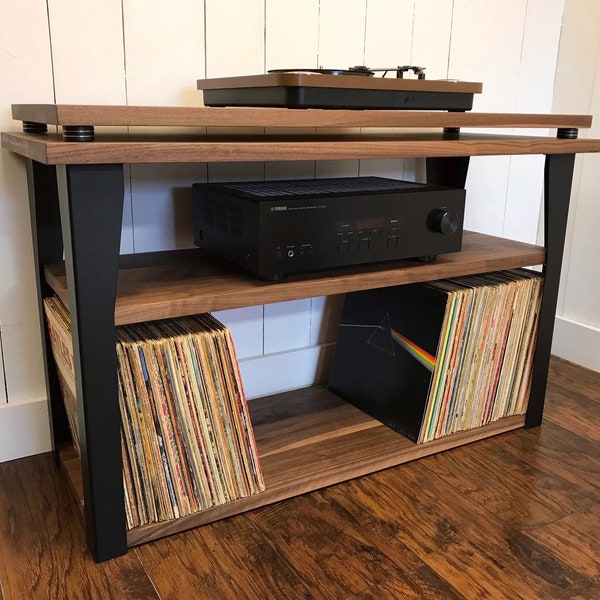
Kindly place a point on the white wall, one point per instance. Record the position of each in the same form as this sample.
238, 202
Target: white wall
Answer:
577, 332
25, 75
150, 52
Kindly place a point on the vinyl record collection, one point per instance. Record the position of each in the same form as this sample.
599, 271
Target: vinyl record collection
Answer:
187, 440
58, 323
431, 359
485, 351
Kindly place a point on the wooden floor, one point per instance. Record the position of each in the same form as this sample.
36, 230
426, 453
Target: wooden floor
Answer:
515, 516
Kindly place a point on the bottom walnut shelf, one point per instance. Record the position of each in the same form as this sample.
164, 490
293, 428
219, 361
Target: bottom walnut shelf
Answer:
307, 439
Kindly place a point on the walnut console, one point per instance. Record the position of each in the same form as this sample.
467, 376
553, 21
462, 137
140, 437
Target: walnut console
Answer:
76, 192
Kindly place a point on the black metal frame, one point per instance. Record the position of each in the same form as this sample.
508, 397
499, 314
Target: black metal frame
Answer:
78, 209
558, 176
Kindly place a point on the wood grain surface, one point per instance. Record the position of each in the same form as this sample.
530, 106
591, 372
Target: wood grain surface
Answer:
512, 516
186, 282
322, 80
183, 116
52, 150
329, 443
43, 552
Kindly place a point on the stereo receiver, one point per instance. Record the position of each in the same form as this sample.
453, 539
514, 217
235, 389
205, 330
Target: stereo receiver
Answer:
277, 228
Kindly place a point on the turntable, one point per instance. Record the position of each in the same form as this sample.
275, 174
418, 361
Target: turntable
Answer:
352, 88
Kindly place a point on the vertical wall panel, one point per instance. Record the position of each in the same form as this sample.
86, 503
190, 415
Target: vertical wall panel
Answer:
487, 184
497, 27
579, 45
240, 37
341, 45
486, 46
432, 21
291, 34
283, 371
162, 205
284, 169
234, 37
534, 94
389, 33
524, 198
291, 42
582, 296
291, 39
388, 42
236, 171
25, 60
89, 63
164, 56
246, 325
539, 53
431, 38
235, 45
341, 33
384, 167
287, 326
164, 51
577, 333
25, 76
577, 59
337, 168
87, 51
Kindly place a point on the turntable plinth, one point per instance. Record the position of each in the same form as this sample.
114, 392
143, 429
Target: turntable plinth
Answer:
297, 89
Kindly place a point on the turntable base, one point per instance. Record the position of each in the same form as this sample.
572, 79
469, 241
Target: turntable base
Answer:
298, 89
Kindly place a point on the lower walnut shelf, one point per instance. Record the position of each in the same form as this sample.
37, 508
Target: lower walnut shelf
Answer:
308, 439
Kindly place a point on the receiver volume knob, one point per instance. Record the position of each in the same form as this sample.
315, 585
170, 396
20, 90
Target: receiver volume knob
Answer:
443, 221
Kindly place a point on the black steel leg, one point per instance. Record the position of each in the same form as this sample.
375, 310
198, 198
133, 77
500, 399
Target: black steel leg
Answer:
558, 175
450, 171
91, 208
47, 248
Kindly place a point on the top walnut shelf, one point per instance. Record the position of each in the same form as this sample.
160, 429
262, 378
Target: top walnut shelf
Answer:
288, 134
67, 115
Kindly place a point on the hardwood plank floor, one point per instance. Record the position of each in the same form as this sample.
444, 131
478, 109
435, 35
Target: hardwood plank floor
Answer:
514, 516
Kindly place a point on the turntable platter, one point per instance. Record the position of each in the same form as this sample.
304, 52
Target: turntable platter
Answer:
355, 71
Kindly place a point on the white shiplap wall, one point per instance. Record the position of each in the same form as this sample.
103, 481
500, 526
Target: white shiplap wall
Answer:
577, 331
25, 75
150, 52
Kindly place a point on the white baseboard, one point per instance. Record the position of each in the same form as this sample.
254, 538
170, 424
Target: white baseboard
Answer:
577, 342
24, 429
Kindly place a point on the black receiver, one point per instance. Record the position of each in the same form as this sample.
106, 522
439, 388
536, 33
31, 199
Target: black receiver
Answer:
276, 228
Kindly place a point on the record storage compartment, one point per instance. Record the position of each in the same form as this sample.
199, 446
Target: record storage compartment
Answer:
309, 438
317, 439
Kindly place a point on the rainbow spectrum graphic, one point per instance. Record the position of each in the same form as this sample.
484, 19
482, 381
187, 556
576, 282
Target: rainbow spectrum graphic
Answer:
384, 337
415, 351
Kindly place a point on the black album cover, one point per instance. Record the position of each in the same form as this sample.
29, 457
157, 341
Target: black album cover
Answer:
386, 353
